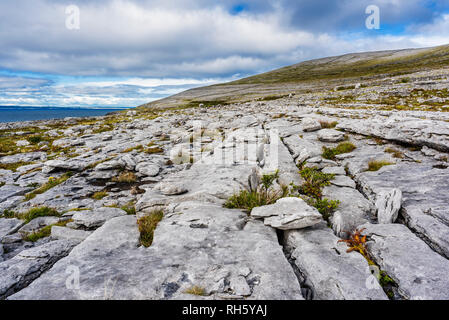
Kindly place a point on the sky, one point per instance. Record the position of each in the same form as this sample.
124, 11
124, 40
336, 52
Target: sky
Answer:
117, 53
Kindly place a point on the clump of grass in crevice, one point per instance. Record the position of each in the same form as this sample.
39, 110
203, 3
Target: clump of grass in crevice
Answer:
2, 183
328, 124
125, 177
147, 225
13, 166
34, 213
44, 232
129, 208
196, 290
344, 147
99, 195
77, 209
395, 152
138, 148
264, 195
341, 88
51, 183
379, 141
375, 165
7, 213
153, 150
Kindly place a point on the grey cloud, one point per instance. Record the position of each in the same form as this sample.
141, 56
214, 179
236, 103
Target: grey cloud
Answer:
189, 38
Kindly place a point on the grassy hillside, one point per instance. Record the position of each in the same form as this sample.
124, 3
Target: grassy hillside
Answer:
312, 75
357, 65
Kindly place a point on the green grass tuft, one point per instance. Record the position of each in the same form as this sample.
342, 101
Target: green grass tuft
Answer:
13, 166
264, 195
324, 206
44, 232
328, 124
147, 225
99, 195
395, 152
38, 212
375, 165
196, 290
344, 147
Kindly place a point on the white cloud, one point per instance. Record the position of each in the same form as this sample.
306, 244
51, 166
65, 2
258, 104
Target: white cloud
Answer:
154, 48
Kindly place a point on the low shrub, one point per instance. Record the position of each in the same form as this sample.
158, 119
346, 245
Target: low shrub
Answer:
315, 180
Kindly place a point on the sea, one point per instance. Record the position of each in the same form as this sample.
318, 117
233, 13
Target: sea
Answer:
13, 114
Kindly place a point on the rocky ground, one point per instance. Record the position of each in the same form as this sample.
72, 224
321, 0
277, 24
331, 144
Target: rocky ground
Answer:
244, 201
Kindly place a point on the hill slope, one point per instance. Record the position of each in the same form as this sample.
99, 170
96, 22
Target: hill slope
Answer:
313, 75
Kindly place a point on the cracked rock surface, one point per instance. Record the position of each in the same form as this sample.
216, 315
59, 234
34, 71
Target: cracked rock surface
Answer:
71, 209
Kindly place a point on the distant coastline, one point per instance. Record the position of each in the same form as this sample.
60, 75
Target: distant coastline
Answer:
19, 114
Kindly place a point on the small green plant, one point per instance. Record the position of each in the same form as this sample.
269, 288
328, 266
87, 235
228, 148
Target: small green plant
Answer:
385, 279
2, 184
39, 212
99, 195
268, 179
315, 180
324, 206
375, 165
264, 195
147, 225
35, 139
129, 208
344, 147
